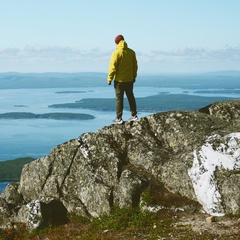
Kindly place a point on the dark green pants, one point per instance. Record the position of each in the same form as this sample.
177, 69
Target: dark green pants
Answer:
120, 88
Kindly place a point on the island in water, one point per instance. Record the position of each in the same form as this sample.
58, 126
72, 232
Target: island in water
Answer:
55, 116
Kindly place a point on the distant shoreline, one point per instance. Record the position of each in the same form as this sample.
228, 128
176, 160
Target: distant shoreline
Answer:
16, 80
10, 170
162, 102
54, 116
3, 180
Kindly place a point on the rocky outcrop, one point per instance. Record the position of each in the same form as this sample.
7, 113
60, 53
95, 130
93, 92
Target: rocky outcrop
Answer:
226, 110
193, 154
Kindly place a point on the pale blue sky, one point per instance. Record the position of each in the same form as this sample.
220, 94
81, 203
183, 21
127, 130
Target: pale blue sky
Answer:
78, 35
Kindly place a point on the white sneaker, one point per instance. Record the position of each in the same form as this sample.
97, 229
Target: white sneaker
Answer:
118, 121
133, 118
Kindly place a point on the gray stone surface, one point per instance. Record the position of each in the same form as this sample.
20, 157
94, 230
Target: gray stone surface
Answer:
194, 154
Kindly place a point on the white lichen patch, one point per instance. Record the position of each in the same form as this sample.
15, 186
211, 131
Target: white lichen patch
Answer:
225, 155
84, 151
34, 214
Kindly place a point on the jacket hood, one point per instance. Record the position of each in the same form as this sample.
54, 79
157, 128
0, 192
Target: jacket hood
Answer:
122, 45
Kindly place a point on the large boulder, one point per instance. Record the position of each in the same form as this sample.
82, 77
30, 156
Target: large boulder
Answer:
226, 110
194, 154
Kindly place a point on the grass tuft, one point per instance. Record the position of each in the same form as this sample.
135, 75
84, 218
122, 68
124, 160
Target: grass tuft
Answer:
127, 223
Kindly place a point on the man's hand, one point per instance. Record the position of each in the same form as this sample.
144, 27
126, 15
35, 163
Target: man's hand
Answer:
109, 82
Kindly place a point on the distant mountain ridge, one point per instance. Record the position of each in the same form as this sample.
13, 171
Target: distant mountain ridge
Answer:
15, 80
225, 73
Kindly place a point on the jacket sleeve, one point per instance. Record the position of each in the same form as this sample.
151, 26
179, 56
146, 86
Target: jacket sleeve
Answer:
135, 67
112, 67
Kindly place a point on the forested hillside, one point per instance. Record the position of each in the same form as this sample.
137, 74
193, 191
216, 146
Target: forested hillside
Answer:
11, 170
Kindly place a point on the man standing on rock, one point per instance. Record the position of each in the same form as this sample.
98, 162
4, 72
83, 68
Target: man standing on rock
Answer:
123, 70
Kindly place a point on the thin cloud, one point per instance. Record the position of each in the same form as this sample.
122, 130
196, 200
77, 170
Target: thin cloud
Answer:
50, 53
9, 52
63, 58
67, 53
230, 53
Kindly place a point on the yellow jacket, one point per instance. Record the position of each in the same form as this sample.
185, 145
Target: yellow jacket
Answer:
123, 64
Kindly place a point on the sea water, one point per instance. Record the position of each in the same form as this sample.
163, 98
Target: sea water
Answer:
36, 137
3, 186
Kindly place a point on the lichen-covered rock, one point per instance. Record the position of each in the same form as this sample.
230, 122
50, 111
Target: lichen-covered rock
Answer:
226, 110
216, 156
12, 196
36, 213
4, 209
129, 189
31, 214
192, 153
